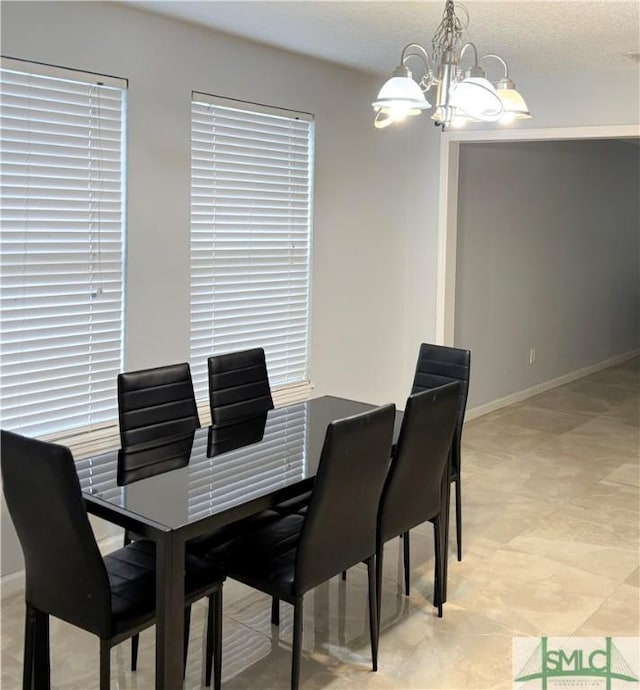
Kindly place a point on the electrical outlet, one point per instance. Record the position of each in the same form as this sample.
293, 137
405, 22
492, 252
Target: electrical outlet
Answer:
532, 355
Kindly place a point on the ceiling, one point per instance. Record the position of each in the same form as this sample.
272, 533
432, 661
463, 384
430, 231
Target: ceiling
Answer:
535, 36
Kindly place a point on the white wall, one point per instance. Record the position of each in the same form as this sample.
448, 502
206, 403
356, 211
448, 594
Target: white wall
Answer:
548, 258
361, 207
582, 98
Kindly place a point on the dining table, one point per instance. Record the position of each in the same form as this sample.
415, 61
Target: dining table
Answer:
173, 489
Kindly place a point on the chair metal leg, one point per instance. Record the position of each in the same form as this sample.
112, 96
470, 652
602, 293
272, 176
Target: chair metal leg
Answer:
379, 560
187, 625
344, 576
42, 652
297, 644
105, 665
459, 516
444, 521
275, 611
209, 650
135, 641
373, 611
437, 594
29, 648
407, 564
342, 616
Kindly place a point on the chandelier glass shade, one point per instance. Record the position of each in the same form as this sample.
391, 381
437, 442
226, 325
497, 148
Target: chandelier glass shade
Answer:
460, 96
399, 97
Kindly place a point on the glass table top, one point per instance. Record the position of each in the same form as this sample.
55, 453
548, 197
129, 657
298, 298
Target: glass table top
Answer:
178, 481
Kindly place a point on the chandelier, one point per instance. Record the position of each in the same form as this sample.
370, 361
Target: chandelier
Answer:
461, 96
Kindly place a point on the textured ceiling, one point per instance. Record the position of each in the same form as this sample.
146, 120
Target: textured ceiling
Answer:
536, 36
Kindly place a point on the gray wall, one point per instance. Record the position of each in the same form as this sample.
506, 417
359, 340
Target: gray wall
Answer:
548, 258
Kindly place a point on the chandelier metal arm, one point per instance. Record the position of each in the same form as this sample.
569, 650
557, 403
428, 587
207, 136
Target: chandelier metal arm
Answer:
500, 60
418, 51
465, 47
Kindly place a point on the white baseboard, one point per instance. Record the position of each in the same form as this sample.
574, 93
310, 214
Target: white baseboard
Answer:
519, 396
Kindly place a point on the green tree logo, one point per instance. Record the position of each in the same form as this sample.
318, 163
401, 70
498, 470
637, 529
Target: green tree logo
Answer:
605, 664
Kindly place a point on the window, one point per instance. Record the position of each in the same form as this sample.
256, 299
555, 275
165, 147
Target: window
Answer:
251, 170
62, 151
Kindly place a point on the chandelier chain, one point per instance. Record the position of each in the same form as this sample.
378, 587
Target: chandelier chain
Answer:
448, 33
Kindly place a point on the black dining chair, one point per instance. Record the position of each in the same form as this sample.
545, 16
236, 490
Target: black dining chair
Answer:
295, 553
239, 388
412, 492
156, 403
238, 385
437, 365
66, 577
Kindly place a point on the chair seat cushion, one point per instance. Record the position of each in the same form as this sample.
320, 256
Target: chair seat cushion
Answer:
131, 572
265, 557
202, 546
293, 505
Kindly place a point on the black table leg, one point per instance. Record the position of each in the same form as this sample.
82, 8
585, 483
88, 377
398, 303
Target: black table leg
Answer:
170, 555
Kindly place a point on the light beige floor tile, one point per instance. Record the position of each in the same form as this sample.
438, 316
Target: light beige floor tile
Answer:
619, 615
504, 438
614, 433
627, 413
599, 526
588, 450
634, 578
607, 561
612, 392
625, 496
550, 597
550, 421
573, 402
628, 473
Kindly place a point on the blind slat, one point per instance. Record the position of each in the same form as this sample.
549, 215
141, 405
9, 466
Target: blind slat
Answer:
62, 250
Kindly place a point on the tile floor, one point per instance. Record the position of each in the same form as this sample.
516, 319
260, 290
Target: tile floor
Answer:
551, 521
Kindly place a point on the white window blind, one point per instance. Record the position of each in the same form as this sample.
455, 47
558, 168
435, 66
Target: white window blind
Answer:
62, 154
251, 182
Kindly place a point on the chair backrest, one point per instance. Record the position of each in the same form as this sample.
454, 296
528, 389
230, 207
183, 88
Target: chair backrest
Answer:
412, 490
156, 403
340, 525
238, 385
439, 364
65, 574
